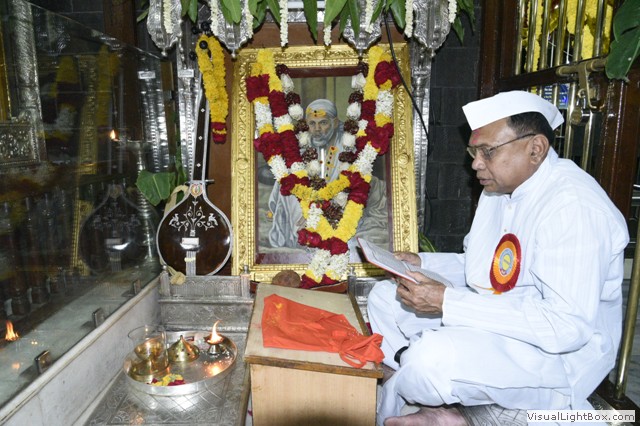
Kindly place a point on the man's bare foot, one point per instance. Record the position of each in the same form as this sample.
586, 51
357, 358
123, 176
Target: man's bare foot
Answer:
387, 372
432, 416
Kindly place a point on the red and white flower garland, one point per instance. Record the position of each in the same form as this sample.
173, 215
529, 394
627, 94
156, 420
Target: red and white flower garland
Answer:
332, 209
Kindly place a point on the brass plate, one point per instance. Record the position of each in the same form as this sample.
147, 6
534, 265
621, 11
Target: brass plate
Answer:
198, 375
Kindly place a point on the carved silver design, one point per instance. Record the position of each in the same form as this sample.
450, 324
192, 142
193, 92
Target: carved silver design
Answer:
233, 36
369, 33
164, 24
27, 78
18, 143
193, 219
431, 23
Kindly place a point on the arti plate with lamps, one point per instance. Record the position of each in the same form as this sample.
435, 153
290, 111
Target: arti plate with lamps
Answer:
200, 358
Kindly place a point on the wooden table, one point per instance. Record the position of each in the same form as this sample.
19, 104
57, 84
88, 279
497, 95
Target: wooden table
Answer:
294, 387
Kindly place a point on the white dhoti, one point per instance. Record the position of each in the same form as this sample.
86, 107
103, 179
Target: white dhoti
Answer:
447, 365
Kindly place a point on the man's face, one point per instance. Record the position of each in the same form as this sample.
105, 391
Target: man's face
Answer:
510, 165
321, 130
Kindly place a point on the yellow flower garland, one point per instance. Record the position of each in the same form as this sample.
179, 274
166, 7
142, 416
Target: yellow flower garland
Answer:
211, 64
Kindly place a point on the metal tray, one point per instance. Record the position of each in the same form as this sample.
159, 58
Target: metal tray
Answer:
198, 374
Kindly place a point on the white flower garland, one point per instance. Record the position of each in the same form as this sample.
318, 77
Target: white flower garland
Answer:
249, 17
263, 115
327, 35
315, 213
278, 167
408, 27
341, 199
280, 122
284, 26
166, 15
364, 162
348, 140
320, 262
215, 15
453, 8
368, 14
384, 103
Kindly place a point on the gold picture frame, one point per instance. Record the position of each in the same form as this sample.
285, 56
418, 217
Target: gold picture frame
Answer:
308, 63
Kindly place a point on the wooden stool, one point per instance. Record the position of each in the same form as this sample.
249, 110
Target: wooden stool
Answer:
294, 387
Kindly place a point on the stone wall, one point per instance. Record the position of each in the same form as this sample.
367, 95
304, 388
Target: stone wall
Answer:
450, 179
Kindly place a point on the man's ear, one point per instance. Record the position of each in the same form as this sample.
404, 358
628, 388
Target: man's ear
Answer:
539, 147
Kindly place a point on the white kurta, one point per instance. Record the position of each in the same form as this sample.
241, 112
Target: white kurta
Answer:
545, 344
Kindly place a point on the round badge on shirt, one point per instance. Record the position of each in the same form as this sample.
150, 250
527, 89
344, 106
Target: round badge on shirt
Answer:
506, 264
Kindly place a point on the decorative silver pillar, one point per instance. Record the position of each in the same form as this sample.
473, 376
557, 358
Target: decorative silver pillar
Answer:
29, 108
154, 120
431, 29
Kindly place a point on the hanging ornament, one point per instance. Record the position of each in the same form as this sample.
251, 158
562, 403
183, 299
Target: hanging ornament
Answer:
163, 23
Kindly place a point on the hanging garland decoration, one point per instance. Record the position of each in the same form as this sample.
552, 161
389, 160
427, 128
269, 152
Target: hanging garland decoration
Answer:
332, 210
211, 64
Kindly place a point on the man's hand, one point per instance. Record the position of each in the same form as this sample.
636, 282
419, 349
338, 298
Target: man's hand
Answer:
407, 256
425, 297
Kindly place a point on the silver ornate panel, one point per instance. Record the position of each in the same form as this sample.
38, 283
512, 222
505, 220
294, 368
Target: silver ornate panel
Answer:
18, 144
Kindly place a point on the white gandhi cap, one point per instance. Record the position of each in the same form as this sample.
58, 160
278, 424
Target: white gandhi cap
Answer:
485, 111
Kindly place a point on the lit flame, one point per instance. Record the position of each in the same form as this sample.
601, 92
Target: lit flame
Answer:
215, 337
213, 369
11, 336
113, 135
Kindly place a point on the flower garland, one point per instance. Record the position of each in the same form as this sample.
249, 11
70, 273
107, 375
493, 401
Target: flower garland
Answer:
284, 22
332, 209
211, 64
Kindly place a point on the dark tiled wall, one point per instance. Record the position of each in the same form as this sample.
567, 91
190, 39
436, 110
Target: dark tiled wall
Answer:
450, 178
87, 12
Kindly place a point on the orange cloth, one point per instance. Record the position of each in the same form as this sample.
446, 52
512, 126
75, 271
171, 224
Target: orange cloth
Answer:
290, 325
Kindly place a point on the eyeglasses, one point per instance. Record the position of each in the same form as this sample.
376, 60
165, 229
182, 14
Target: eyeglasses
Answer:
489, 152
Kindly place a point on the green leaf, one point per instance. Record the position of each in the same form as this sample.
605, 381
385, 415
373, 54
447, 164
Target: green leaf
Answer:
156, 187
184, 7
344, 18
398, 11
623, 52
142, 16
627, 17
466, 6
258, 9
377, 11
231, 10
425, 245
625, 47
354, 14
274, 7
193, 11
332, 9
458, 28
310, 8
